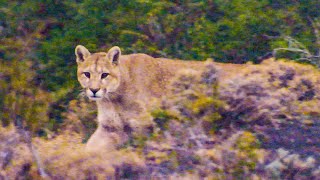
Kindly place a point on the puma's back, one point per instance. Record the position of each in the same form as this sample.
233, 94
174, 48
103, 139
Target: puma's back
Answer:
124, 87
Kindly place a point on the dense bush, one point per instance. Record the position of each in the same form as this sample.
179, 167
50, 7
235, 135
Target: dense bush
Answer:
81, 117
62, 157
246, 127
44, 33
266, 94
231, 127
262, 121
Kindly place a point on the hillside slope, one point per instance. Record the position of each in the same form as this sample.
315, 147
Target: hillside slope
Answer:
260, 121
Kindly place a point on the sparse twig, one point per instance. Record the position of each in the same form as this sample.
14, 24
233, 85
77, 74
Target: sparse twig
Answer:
316, 28
297, 47
18, 122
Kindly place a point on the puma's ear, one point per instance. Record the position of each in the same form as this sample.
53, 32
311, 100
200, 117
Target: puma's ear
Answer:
82, 53
114, 55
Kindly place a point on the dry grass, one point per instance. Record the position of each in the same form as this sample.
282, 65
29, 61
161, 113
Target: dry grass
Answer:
261, 122
63, 157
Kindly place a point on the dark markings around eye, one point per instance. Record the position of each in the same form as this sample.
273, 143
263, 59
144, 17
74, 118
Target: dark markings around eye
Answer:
87, 74
104, 75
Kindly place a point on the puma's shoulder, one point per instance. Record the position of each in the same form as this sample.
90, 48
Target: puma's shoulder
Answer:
124, 86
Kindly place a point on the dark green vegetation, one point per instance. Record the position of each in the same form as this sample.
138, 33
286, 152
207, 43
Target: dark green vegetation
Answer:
38, 85
38, 40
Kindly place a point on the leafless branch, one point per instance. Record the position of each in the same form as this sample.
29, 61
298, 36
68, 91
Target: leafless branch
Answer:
27, 137
316, 26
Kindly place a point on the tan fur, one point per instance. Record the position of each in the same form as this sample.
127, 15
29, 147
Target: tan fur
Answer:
124, 95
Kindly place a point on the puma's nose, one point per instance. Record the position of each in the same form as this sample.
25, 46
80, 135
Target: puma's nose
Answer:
94, 91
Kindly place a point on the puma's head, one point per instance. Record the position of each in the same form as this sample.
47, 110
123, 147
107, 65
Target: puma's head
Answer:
98, 73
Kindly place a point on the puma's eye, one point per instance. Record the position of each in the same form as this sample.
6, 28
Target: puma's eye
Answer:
104, 75
87, 74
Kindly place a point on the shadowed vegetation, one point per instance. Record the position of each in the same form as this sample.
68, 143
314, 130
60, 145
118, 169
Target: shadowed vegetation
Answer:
259, 121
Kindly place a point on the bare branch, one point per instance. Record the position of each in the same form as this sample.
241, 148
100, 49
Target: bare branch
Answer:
316, 26
27, 137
